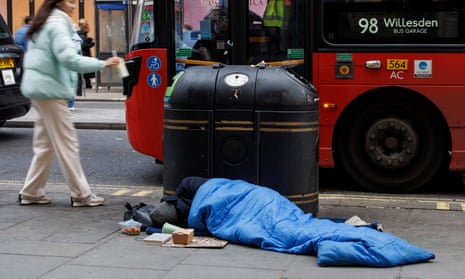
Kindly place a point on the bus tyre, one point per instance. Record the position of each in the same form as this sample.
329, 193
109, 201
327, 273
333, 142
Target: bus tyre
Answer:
392, 147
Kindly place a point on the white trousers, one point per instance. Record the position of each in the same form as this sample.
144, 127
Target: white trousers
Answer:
55, 136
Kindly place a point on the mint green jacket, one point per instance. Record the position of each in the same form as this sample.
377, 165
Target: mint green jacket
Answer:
51, 62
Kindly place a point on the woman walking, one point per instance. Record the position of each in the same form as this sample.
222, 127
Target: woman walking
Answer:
50, 80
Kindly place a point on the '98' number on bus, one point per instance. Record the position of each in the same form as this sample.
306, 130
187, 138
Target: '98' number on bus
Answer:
368, 24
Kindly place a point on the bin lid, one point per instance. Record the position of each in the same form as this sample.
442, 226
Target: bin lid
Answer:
195, 87
235, 87
242, 87
281, 88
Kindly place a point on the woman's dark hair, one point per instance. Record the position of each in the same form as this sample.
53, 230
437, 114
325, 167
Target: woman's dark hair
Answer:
44, 11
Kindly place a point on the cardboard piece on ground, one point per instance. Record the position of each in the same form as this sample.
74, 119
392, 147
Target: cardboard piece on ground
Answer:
199, 242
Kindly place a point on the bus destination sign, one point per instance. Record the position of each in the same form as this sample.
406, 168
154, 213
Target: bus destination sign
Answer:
391, 27
398, 25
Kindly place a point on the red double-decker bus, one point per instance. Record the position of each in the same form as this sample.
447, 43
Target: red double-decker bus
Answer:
388, 74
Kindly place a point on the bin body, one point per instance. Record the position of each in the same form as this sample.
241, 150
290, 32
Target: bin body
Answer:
259, 124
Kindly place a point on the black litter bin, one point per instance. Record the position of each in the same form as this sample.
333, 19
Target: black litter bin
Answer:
259, 124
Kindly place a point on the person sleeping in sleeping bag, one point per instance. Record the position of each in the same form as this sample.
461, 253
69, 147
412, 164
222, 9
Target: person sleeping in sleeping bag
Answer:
249, 214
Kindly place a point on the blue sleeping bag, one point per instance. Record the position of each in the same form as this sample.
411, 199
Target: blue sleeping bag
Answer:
248, 214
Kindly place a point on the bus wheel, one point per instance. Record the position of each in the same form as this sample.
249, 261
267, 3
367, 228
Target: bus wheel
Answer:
392, 147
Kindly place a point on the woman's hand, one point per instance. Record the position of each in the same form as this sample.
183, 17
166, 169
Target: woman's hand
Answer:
113, 61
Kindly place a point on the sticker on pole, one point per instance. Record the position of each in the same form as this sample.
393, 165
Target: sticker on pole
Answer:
154, 80
423, 69
154, 63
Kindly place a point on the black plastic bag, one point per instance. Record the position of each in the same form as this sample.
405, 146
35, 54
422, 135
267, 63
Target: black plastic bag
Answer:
140, 213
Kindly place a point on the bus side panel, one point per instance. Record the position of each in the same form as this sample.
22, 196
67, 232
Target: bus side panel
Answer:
144, 107
443, 86
395, 68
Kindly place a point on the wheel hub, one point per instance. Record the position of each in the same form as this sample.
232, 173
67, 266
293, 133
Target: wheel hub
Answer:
391, 143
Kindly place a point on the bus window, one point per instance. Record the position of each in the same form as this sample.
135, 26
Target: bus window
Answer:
208, 36
280, 34
143, 29
276, 31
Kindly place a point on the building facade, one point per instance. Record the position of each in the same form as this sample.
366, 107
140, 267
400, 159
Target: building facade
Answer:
14, 11
108, 20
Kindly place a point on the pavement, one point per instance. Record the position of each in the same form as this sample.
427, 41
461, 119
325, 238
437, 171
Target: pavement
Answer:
58, 241
87, 117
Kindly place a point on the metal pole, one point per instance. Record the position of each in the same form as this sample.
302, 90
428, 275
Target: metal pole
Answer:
9, 14
31, 7
81, 9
